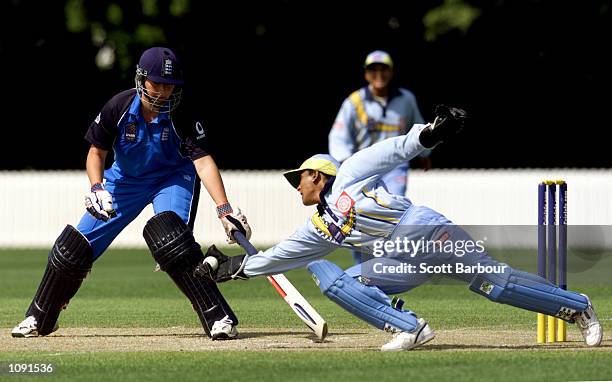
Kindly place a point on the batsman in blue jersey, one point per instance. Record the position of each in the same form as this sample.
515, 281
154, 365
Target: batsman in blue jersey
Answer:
373, 113
159, 160
355, 210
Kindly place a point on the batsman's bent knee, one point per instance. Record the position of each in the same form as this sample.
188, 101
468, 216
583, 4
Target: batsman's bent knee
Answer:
366, 302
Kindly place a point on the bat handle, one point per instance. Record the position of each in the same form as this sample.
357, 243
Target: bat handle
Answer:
244, 243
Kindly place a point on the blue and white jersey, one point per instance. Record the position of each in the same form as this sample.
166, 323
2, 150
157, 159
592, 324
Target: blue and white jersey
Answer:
145, 152
356, 209
363, 121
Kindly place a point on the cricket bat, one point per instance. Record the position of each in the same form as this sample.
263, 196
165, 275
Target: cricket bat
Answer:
300, 306
291, 295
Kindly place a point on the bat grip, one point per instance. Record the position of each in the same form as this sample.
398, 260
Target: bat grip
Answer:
244, 243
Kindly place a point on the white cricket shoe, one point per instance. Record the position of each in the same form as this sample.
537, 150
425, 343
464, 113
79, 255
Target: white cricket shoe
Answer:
28, 328
406, 341
589, 325
224, 329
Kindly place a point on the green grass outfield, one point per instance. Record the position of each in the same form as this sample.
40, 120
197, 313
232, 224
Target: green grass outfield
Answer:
124, 292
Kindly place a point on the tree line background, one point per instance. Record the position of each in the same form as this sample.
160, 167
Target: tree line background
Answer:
269, 77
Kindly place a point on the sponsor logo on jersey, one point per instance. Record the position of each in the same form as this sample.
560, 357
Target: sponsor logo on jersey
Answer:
98, 119
200, 129
130, 132
165, 133
344, 203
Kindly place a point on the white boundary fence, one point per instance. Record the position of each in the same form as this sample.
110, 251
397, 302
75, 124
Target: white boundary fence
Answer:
35, 206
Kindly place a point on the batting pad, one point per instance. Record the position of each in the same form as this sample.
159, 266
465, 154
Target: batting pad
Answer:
175, 250
69, 262
366, 302
528, 291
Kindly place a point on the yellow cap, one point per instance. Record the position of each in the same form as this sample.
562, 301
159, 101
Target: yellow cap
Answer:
320, 162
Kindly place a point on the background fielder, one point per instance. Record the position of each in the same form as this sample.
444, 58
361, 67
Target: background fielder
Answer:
373, 113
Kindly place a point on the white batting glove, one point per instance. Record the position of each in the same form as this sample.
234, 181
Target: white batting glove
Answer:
99, 203
233, 222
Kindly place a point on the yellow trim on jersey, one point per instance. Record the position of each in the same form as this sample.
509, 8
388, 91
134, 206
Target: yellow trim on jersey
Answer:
350, 223
373, 196
380, 217
359, 108
356, 100
318, 221
386, 128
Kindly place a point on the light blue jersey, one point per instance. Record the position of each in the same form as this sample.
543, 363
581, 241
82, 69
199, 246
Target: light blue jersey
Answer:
363, 121
357, 211
354, 213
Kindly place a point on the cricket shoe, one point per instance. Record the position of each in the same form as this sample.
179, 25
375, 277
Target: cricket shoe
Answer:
589, 325
28, 328
406, 341
224, 329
